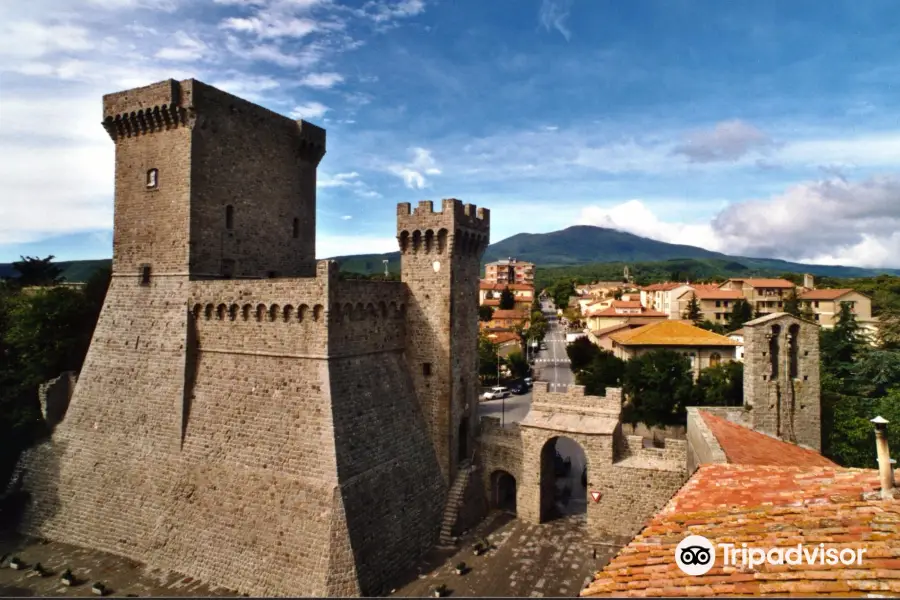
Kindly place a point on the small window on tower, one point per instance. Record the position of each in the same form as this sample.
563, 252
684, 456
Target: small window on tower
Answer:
145, 274
152, 179
229, 217
426, 369
296, 227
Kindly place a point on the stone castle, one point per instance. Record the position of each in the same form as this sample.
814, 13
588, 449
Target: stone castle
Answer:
243, 414
246, 417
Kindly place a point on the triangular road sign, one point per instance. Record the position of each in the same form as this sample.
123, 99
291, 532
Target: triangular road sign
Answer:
596, 495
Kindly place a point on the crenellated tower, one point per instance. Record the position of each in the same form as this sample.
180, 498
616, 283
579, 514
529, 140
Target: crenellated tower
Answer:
441, 264
210, 185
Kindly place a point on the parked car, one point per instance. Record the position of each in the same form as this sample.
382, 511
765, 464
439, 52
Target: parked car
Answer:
529, 382
495, 393
519, 389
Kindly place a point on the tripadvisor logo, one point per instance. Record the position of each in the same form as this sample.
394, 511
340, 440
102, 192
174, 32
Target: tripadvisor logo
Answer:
696, 555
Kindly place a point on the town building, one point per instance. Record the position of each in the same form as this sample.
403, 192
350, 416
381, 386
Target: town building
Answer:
738, 336
622, 312
507, 319
489, 295
703, 348
825, 305
764, 295
715, 304
510, 270
663, 297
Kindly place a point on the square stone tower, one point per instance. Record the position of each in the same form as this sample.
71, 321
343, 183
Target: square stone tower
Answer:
781, 378
441, 264
210, 185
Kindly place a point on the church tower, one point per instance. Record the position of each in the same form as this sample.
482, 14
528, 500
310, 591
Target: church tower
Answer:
781, 378
441, 265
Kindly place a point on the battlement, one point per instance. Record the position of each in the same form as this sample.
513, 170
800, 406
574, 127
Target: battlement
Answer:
169, 104
632, 453
575, 399
452, 211
491, 427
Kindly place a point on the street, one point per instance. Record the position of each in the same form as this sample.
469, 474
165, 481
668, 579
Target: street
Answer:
550, 365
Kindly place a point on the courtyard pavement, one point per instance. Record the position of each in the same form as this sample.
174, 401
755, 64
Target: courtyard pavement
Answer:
550, 560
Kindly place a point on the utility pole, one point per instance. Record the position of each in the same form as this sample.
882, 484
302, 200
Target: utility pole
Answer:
386, 273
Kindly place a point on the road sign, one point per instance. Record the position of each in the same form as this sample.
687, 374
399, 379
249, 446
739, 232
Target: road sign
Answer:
596, 495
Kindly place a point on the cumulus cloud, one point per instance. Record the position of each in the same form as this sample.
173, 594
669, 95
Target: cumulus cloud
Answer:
382, 11
186, 48
727, 141
828, 222
350, 181
346, 217
554, 14
309, 110
321, 81
413, 173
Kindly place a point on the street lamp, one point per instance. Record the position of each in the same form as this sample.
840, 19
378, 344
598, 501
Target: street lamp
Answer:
493, 336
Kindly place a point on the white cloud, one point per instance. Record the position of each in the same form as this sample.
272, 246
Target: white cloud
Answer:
339, 180
321, 80
29, 40
328, 246
186, 49
413, 173
826, 222
265, 28
309, 110
554, 14
384, 11
727, 141
346, 217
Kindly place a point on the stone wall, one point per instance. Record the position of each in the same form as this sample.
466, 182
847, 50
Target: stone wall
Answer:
658, 434
781, 378
702, 446
499, 449
55, 395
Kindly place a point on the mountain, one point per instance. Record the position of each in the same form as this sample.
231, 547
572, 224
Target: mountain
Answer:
580, 246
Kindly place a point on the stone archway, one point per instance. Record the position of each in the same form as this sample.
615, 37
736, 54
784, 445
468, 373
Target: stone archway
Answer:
503, 491
563, 486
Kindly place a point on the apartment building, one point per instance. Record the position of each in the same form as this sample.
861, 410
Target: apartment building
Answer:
663, 297
764, 295
488, 290
826, 304
715, 304
509, 271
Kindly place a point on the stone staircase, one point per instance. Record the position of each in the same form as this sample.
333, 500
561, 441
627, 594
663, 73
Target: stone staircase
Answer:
454, 501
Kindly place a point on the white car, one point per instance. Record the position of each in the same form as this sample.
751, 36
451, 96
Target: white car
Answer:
495, 393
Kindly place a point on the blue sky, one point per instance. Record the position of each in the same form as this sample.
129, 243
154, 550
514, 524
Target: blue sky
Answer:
760, 128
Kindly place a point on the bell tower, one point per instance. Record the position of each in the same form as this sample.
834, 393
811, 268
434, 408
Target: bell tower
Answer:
441, 265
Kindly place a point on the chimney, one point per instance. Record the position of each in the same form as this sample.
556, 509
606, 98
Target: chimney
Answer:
885, 464
808, 281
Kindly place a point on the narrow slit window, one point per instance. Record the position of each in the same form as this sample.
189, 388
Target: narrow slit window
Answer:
152, 179
229, 217
296, 228
145, 274
426, 369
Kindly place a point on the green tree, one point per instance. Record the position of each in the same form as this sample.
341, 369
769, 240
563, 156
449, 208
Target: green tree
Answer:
488, 358
693, 312
34, 271
713, 326
740, 313
889, 326
792, 303
849, 438
806, 311
720, 385
485, 313
605, 370
561, 291
537, 331
657, 386
581, 352
507, 299
517, 364
841, 345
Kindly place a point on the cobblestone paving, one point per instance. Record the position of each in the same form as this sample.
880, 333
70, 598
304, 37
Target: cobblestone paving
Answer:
549, 560
121, 576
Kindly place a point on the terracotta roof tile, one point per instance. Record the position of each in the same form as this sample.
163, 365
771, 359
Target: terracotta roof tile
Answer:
499, 287
612, 312
764, 507
716, 294
748, 447
627, 304
502, 337
510, 314
671, 333
765, 283
828, 294
662, 287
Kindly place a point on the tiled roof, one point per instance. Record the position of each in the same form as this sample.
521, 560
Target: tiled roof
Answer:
765, 507
713, 294
498, 287
612, 328
627, 304
503, 337
824, 294
765, 283
662, 287
613, 312
705, 286
747, 447
671, 333
510, 314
